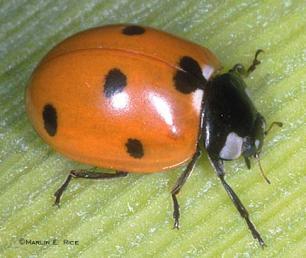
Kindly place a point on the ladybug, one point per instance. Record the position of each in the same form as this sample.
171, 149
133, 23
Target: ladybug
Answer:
138, 100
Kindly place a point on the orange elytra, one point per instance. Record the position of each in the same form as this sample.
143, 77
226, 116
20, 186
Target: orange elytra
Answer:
112, 97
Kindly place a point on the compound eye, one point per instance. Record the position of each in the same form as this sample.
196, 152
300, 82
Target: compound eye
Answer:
232, 148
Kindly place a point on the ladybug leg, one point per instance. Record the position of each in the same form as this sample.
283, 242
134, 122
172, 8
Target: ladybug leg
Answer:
87, 175
255, 62
179, 184
239, 68
279, 124
218, 166
247, 162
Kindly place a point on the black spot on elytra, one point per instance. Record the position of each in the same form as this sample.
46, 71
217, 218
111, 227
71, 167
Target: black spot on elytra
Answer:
134, 148
190, 65
50, 119
133, 30
115, 81
190, 77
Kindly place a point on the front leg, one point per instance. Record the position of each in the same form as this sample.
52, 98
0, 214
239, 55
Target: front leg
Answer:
239, 68
218, 166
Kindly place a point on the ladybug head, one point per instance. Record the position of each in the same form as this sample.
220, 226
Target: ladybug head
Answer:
253, 142
232, 126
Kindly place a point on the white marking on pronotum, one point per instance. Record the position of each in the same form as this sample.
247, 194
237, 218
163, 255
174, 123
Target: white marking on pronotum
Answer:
232, 147
207, 71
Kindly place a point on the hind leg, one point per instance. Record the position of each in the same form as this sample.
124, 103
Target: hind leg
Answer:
87, 174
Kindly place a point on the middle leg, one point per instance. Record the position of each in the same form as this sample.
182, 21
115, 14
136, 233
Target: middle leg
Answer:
179, 184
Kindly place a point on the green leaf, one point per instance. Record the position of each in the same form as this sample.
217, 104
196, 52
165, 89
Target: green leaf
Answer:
132, 217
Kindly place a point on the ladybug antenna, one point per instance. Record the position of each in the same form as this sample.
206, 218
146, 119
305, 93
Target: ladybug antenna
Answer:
261, 170
279, 124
